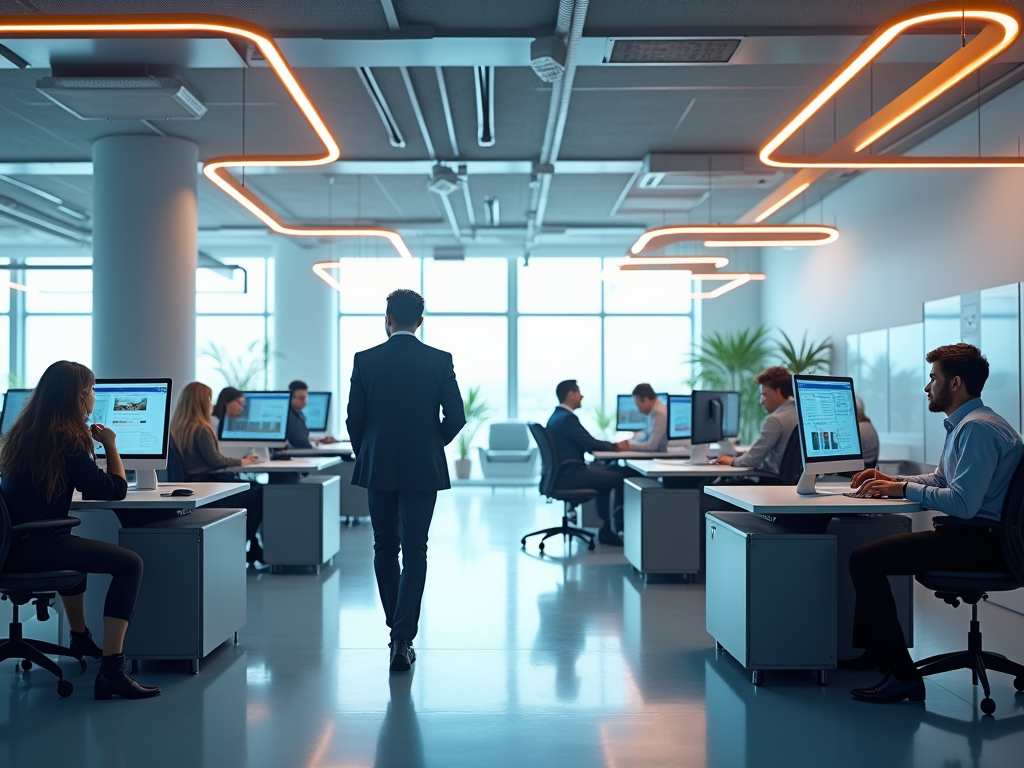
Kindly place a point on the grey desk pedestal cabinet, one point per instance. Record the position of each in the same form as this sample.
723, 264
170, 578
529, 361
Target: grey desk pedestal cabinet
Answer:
192, 597
661, 527
300, 521
767, 604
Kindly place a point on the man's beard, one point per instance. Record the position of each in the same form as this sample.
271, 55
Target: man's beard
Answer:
939, 400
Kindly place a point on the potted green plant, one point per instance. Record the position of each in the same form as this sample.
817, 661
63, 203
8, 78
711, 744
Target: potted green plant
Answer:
243, 372
809, 357
476, 409
605, 421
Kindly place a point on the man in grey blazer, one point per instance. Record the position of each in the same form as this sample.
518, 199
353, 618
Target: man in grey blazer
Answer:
398, 389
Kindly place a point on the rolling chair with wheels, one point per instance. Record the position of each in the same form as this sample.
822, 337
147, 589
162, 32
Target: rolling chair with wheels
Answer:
40, 589
971, 587
571, 497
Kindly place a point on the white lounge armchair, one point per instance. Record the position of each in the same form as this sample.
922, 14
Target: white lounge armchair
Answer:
509, 452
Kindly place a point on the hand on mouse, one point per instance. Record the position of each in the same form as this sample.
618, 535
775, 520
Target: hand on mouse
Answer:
252, 458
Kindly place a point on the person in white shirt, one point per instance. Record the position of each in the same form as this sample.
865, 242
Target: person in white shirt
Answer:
869, 444
654, 436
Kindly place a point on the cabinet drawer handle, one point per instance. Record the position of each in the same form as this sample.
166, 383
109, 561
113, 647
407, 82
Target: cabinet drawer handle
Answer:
713, 529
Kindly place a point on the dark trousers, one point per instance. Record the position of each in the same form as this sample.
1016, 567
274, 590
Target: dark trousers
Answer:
401, 521
876, 627
44, 551
604, 480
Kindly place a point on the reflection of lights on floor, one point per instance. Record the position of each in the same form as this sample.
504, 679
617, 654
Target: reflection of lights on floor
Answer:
256, 712
258, 674
316, 759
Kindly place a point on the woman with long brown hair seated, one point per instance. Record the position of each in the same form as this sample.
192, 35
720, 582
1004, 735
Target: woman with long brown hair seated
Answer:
192, 432
46, 455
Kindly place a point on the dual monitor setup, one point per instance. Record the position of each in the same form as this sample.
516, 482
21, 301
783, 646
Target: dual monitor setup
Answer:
826, 419
701, 418
139, 412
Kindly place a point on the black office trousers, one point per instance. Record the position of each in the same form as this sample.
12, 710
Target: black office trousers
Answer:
401, 521
46, 551
604, 480
876, 627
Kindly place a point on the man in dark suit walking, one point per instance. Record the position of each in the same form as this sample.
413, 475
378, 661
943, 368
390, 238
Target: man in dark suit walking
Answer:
397, 391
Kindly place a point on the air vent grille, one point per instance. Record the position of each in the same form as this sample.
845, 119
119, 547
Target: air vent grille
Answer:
122, 98
672, 51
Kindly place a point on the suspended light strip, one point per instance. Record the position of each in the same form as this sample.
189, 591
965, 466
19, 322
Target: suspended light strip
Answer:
1002, 25
323, 271
736, 236
782, 202
20, 287
217, 170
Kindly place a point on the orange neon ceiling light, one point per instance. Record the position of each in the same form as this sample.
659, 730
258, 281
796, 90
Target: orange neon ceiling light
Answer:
1002, 25
217, 169
736, 236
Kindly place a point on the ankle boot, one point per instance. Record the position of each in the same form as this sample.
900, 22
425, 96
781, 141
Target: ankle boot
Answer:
113, 680
82, 645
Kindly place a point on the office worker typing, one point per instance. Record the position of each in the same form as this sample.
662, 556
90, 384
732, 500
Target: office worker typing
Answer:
572, 440
46, 455
298, 430
776, 385
979, 457
654, 435
398, 390
193, 434
230, 404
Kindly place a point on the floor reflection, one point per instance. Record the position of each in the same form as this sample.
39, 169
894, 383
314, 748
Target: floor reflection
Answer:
399, 742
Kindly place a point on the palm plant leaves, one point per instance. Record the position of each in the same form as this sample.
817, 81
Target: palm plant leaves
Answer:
476, 410
246, 372
809, 357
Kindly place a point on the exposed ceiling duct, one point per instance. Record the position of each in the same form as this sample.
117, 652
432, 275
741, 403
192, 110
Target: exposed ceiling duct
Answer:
122, 98
547, 57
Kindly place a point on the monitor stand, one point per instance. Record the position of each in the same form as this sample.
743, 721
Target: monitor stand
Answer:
145, 480
699, 454
805, 486
262, 452
726, 448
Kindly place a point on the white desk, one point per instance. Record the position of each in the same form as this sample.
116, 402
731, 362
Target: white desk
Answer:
204, 494
774, 500
344, 450
298, 465
682, 468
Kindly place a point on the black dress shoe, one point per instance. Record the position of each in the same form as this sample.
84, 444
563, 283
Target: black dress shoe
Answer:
82, 645
865, 662
891, 689
113, 680
605, 536
402, 656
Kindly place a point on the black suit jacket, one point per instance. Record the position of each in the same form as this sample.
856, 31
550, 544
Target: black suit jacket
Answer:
398, 389
571, 438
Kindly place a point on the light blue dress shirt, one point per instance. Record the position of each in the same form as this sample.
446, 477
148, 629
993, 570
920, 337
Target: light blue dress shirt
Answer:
978, 460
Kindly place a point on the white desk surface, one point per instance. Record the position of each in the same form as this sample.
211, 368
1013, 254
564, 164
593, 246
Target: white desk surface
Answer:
313, 464
784, 500
676, 467
205, 493
334, 449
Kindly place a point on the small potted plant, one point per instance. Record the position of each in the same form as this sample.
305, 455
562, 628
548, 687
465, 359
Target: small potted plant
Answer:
476, 410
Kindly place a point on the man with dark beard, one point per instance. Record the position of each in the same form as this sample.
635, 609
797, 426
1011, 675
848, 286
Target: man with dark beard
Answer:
979, 458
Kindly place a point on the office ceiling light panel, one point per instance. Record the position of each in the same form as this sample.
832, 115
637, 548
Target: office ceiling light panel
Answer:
1002, 24
736, 236
122, 98
218, 170
671, 51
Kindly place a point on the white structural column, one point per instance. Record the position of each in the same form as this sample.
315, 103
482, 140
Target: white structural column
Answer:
144, 257
305, 321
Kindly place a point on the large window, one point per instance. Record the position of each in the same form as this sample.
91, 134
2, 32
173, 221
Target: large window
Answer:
516, 330
57, 315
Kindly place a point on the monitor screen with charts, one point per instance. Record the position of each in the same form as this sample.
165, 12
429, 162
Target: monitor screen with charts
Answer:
680, 417
827, 418
731, 415
628, 417
317, 409
264, 419
14, 401
139, 412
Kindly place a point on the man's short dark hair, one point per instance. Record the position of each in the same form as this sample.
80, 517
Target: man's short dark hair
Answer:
297, 386
565, 387
644, 392
965, 361
405, 307
778, 378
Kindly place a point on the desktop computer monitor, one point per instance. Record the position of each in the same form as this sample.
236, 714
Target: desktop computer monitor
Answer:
317, 409
731, 415
627, 416
263, 422
827, 419
14, 401
679, 417
139, 412
716, 416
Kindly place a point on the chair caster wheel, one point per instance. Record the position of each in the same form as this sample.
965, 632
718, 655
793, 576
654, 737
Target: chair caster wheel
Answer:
64, 688
83, 664
26, 664
757, 676
590, 546
1018, 683
988, 706
523, 542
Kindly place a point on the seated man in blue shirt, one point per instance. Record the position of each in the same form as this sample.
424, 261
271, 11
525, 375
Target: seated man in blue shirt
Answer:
297, 432
979, 458
571, 441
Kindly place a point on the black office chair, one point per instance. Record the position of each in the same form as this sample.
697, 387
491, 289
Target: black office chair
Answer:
954, 586
791, 466
40, 589
550, 467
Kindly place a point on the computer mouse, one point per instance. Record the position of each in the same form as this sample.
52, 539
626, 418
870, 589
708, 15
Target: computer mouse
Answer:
182, 492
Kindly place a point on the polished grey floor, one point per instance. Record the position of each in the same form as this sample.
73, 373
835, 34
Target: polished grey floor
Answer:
522, 661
